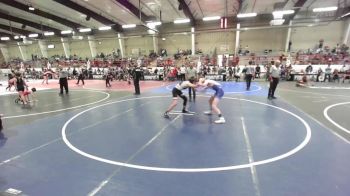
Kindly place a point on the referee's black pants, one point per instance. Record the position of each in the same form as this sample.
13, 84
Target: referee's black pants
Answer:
63, 84
248, 79
137, 86
273, 86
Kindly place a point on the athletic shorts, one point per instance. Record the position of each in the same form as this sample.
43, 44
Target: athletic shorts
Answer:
176, 92
219, 93
20, 88
25, 93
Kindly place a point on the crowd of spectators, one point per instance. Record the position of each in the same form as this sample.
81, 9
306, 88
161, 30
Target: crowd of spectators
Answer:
173, 68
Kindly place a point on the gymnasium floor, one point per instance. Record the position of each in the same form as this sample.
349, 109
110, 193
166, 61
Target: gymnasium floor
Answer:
109, 142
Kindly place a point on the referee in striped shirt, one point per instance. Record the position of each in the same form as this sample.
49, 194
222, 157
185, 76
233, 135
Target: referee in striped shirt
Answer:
275, 73
249, 73
63, 75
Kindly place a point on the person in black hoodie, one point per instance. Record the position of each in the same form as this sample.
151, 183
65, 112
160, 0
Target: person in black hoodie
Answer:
81, 76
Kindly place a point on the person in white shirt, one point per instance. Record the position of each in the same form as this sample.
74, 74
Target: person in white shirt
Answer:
214, 99
249, 73
343, 69
328, 73
177, 92
275, 72
182, 73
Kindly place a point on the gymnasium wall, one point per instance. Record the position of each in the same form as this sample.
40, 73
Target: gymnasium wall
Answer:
2, 59
173, 43
259, 40
179, 37
14, 51
136, 46
80, 48
308, 37
223, 42
107, 44
58, 50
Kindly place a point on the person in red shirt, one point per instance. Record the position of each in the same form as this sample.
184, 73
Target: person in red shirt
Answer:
175, 72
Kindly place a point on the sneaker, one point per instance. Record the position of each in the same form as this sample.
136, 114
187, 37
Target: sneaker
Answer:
208, 113
221, 120
185, 111
273, 97
166, 115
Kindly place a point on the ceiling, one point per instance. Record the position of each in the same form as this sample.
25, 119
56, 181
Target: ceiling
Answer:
120, 12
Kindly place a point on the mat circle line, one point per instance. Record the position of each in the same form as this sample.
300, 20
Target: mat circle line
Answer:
325, 114
188, 170
64, 109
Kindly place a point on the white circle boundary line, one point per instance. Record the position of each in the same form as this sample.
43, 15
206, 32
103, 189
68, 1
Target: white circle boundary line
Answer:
325, 114
230, 92
188, 170
64, 109
329, 88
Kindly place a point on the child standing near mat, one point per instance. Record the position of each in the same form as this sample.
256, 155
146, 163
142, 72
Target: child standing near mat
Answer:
177, 92
214, 99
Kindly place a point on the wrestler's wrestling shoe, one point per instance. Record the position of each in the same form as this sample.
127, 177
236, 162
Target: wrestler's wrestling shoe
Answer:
221, 120
185, 111
166, 115
208, 112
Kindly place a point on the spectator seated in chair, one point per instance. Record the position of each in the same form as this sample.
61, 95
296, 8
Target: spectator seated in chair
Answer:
336, 75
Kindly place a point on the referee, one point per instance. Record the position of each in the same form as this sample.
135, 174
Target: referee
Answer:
137, 74
63, 75
191, 73
249, 75
275, 73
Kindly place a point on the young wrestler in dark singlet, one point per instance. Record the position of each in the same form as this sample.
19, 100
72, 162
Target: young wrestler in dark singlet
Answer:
177, 92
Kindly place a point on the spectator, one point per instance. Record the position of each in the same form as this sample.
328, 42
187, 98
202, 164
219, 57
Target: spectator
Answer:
309, 69
191, 74
319, 72
328, 73
257, 71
